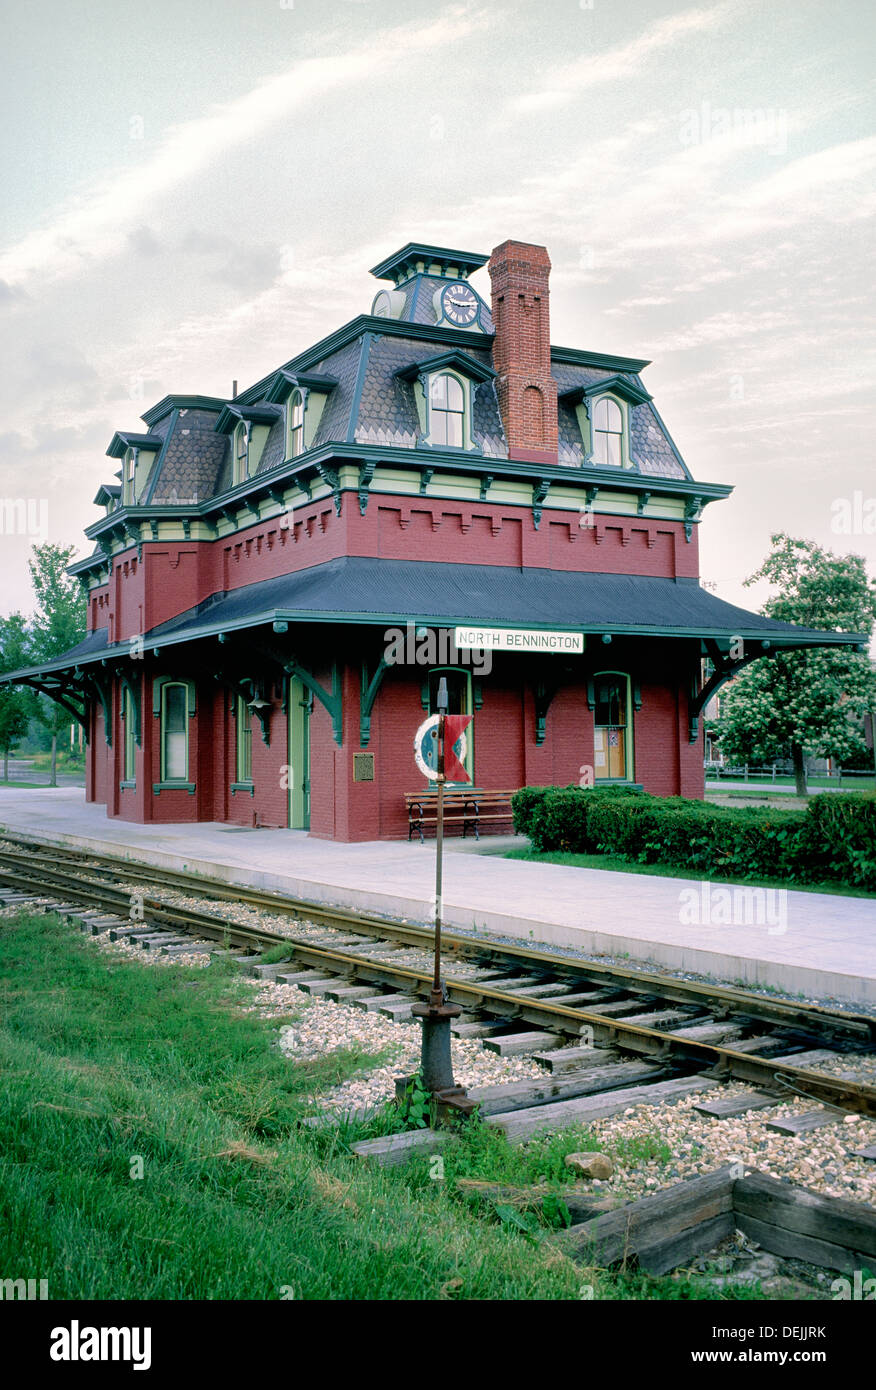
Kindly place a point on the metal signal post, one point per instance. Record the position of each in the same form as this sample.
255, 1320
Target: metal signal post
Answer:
436, 1064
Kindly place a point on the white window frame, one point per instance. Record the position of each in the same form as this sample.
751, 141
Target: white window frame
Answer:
466, 386
240, 473
295, 433
589, 413
129, 476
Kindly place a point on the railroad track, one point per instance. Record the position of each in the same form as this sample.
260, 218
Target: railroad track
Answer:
598, 1030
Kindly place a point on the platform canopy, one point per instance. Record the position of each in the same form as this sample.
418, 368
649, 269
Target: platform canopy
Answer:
366, 591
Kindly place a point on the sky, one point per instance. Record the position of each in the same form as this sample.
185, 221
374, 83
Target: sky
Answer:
193, 194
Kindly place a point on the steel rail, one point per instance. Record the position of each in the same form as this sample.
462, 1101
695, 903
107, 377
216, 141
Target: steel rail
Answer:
721, 1062
722, 1000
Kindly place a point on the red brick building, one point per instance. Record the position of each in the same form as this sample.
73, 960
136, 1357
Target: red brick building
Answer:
275, 576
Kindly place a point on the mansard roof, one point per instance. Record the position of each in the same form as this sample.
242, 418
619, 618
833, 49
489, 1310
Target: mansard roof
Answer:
364, 374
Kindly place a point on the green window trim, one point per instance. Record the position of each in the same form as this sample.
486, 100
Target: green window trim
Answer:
174, 752
127, 786
622, 678
586, 413
243, 787
240, 454
428, 413
242, 742
130, 730
159, 787
129, 477
296, 414
158, 685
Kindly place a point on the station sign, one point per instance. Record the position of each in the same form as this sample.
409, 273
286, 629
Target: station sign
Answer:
510, 639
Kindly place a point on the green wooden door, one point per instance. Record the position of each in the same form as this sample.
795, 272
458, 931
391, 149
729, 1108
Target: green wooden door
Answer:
300, 704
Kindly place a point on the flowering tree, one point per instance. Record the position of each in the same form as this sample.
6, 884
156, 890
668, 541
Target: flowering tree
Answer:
805, 702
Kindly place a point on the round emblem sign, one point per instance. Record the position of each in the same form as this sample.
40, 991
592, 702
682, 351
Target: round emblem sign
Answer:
426, 748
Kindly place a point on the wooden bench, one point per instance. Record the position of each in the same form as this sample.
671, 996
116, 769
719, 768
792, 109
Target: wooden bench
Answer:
465, 806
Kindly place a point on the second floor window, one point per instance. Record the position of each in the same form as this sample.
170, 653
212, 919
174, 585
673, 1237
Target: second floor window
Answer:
241, 454
129, 470
447, 411
296, 424
608, 430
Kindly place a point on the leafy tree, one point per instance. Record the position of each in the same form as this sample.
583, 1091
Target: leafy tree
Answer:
806, 703
58, 624
15, 705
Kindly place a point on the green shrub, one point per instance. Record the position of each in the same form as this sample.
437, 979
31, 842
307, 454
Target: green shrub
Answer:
524, 804
839, 837
561, 815
559, 819
835, 838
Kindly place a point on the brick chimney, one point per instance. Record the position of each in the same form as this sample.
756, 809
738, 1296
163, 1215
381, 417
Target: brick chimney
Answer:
527, 392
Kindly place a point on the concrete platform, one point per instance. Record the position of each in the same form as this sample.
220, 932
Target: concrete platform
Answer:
815, 944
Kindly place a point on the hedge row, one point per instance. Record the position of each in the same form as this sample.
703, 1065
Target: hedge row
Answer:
834, 838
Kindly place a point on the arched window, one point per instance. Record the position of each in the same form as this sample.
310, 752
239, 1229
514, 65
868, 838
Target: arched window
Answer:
446, 410
608, 430
241, 453
174, 732
296, 424
129, 469
612, 728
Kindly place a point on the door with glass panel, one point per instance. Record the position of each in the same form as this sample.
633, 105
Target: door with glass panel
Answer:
610, 733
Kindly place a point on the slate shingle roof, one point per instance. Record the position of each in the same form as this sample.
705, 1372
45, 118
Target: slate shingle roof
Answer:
195, 464
191, 459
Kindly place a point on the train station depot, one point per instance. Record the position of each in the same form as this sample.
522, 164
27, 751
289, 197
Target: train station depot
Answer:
280, 579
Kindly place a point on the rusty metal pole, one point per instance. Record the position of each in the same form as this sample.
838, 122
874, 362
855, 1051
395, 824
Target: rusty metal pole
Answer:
436, 1062
437, 989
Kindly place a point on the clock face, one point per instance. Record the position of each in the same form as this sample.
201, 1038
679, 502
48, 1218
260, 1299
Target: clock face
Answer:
460, 305
381, 306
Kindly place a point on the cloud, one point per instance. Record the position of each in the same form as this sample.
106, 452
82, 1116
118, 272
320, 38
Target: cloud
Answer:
97, 224
143, 242
621, 63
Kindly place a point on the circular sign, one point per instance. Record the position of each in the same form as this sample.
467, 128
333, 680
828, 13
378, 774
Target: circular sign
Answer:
426, 748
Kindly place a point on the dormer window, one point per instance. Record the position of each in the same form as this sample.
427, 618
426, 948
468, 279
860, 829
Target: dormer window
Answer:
296, 424
241, 453
444, 391
608, 433
129, 468
446, 410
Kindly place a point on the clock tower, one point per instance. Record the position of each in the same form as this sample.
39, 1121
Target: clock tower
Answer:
430, 286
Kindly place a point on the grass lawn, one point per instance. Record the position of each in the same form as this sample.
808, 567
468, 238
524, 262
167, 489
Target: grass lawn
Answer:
109, 1067
13, 782
631, 866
